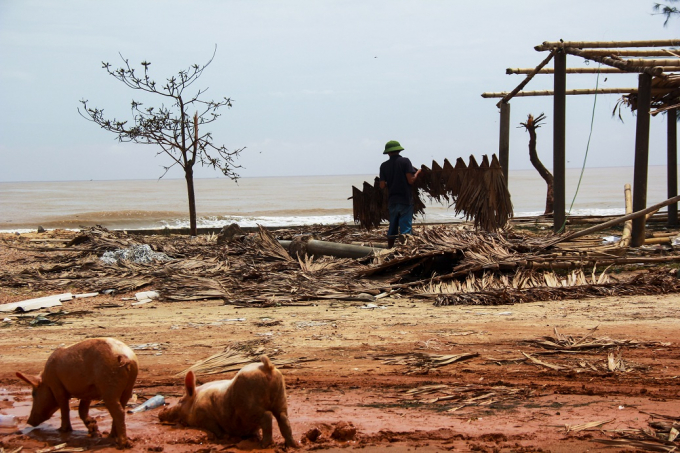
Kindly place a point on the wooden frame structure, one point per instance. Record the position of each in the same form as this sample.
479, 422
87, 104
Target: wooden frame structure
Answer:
658, 87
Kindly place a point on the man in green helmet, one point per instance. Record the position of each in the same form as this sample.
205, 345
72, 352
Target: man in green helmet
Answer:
397, 174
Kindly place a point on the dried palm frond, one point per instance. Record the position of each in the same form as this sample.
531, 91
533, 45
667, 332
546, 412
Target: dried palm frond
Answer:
270, 247
480, 193
227, 361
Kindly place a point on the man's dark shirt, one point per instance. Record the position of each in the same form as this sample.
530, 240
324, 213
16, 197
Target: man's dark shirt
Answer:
393, 172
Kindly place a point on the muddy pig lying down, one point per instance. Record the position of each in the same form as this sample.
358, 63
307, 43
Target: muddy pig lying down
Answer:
98, 368
236, 407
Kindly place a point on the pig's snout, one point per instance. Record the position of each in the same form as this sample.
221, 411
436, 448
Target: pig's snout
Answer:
170, 414
33, 421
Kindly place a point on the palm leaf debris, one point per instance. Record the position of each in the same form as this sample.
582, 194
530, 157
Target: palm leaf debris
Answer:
462, 396
578, 343
478, 192
230, 360
421, 363
445, 265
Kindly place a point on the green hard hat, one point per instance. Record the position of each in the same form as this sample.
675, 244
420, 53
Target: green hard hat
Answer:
392, 146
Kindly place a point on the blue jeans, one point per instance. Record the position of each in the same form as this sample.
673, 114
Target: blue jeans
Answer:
401, 218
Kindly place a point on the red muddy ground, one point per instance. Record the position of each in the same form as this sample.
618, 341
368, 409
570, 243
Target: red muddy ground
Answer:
335, 377
338, 379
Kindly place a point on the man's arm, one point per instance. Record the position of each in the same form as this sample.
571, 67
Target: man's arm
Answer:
411, 177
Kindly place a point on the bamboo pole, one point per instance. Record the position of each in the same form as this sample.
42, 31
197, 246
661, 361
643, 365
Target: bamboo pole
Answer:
607, 70
577, 92
664, 109
630, 53
616, 221
526, 80
653, 71
549, 45
651, 241
671, 62
628, 224
574, 92
569, 71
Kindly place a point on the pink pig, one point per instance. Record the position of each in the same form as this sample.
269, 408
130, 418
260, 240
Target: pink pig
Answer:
236, 407
98, 368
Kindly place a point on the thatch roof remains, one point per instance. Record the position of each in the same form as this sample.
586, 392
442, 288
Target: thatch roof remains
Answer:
479, 192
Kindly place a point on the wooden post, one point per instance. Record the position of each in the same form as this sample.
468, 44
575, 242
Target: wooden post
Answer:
504, 141
559, 129
672, 118
628, 226
641, 157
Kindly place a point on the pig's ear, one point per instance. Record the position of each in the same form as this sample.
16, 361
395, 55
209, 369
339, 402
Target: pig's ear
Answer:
190, 383
33, 381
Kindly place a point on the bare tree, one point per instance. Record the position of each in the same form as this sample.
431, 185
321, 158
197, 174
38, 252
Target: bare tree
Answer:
171, 127
531, 125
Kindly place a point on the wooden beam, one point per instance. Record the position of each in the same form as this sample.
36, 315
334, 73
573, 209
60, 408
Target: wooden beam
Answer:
524, 82
504, 140
549, 45
672, 150
654, 71
559, 135
644, 99
606, 70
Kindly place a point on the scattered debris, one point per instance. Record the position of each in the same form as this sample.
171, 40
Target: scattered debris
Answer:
148, 346
468, 395
145, 297
569, 343
422, 363
586, 426
61, 448
151, 403
227, 361
36, 304
140, 254
444, 264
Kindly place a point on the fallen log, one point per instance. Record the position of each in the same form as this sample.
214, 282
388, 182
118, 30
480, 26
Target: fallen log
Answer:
316, 247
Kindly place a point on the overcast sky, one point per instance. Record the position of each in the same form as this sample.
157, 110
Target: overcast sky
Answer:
318, 86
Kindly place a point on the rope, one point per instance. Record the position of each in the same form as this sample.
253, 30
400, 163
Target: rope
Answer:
585, 158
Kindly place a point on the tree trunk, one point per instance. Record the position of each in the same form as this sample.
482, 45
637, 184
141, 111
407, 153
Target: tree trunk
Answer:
531, 126
189, 176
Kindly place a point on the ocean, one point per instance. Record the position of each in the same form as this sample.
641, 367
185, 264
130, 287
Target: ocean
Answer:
274, 201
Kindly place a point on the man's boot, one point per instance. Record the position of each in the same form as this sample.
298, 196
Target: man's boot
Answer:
390, 243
